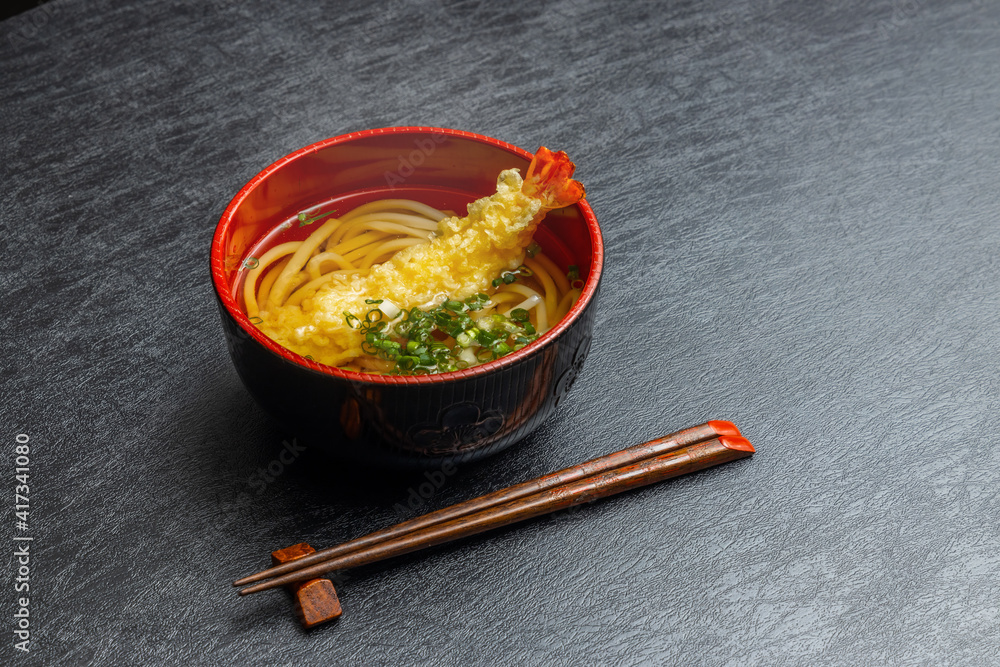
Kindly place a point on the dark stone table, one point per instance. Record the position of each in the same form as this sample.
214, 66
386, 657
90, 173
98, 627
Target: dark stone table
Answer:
800, 203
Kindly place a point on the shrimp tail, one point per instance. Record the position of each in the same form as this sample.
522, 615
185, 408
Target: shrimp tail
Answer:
548, 179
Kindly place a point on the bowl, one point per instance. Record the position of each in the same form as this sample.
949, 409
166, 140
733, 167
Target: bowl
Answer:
412, 421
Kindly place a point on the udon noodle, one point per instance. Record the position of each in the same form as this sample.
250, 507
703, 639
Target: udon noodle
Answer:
397, 286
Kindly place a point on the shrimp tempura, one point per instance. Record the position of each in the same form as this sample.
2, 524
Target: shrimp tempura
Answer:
462, 260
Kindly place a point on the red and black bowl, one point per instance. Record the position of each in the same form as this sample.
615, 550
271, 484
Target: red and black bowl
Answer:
424, 420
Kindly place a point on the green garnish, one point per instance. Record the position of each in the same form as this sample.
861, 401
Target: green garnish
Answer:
304, 219
507, 277
413, 339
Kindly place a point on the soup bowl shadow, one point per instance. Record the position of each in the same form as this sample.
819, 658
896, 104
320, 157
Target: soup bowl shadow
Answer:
423, 421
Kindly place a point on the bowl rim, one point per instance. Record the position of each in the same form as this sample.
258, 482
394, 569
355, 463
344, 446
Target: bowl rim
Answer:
228, 301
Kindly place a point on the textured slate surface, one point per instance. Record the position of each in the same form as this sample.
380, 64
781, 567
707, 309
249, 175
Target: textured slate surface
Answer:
800, 208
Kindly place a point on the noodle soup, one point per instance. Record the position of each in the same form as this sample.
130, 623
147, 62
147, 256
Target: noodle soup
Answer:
399, 286
422, 418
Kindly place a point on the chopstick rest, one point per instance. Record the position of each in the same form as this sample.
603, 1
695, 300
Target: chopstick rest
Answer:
316, 599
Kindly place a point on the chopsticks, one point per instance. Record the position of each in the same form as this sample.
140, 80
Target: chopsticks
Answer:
695, 448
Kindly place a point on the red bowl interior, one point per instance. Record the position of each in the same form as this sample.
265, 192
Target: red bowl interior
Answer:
444, 168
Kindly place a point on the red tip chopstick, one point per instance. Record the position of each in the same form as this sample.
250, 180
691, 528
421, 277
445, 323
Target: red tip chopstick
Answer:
691, 449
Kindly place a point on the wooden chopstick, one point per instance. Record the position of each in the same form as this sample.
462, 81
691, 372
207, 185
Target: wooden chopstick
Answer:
671, 464
674, 441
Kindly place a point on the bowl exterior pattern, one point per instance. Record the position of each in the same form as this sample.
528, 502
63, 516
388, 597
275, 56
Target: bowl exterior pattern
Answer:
422, 425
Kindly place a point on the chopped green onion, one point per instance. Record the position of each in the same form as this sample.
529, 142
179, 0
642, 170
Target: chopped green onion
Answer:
390, 309
486, 338
306, 220
501, 348
414, 339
